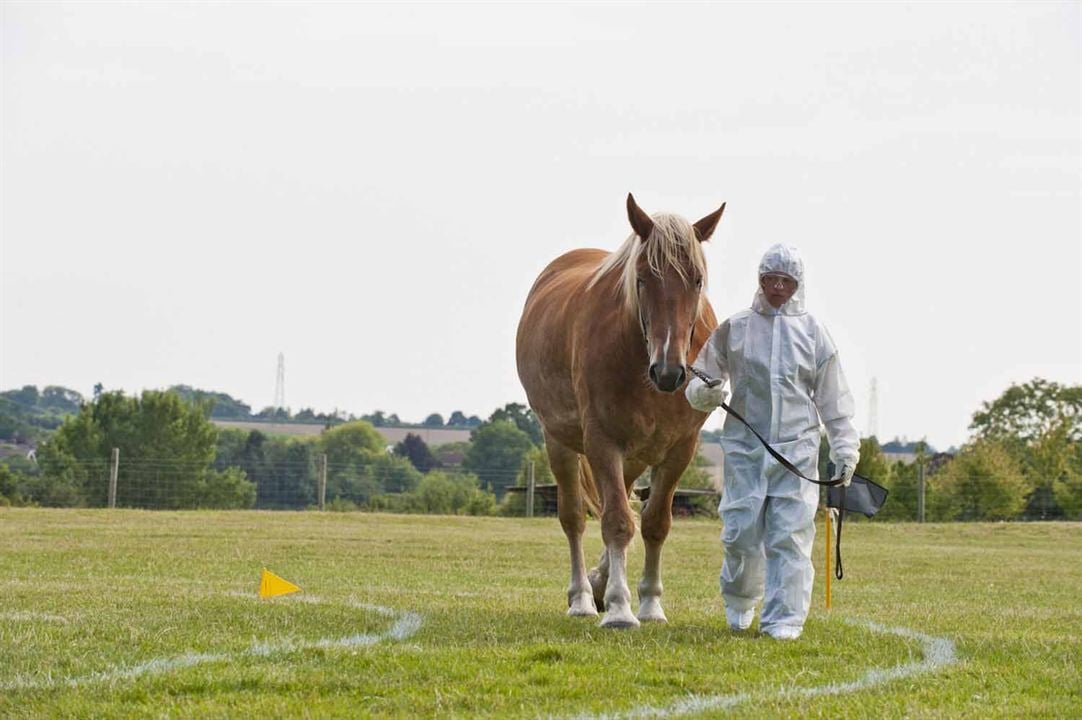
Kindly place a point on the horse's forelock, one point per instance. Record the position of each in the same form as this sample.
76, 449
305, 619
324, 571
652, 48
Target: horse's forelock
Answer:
672, 243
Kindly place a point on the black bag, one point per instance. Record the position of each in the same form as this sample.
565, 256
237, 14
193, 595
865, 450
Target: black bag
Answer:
863, 496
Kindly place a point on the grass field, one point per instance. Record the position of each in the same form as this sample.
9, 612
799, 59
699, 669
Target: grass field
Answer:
130, 614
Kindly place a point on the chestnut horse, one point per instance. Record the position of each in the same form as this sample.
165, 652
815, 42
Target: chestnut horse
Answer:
602, 348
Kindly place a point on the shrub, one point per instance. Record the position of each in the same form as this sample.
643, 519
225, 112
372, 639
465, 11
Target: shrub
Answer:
983, 482
228, 489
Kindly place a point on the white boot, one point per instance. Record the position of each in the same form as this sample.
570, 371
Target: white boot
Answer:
740, 621
784, 632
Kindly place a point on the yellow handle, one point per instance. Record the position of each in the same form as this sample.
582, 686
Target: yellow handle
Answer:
829, 535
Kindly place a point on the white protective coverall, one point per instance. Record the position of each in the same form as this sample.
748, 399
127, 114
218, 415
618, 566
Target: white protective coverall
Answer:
785, 378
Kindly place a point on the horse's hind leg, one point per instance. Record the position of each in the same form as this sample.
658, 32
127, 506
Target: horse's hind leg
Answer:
565, 466
656, 522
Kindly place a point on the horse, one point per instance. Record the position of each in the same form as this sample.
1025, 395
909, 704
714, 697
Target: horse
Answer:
602, 349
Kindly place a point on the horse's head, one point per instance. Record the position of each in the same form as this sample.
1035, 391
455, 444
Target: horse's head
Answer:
664, 277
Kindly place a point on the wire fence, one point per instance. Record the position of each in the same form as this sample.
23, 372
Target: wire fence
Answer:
391, 483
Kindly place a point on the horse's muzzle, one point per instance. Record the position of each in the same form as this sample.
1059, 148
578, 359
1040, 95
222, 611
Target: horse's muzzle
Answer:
667, 378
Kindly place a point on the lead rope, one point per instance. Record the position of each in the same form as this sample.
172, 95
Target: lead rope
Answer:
838, 540
784, 462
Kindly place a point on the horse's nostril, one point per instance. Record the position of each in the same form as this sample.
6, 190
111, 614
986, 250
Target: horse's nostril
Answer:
653, 373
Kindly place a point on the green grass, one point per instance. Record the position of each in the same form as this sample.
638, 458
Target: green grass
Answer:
86, 594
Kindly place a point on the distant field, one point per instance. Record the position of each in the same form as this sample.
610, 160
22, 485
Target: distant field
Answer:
130, 613
431, 435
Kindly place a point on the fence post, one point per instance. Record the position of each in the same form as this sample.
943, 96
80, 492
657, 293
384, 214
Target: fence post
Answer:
920, 492
113, 470
529, 491
322, 481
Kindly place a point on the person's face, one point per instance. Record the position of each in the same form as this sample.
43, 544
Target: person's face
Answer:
777, 288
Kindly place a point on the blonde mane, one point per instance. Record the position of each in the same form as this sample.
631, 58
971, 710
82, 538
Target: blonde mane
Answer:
671, 243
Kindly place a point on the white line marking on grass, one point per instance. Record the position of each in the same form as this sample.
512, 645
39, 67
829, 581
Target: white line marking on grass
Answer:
405, 625
937, 653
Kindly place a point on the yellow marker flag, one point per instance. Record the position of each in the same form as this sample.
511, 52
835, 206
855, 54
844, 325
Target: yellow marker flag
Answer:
270, 585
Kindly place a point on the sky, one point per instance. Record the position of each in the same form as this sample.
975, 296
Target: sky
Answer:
189, 189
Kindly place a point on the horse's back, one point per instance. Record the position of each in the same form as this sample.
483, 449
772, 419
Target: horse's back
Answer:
563, 278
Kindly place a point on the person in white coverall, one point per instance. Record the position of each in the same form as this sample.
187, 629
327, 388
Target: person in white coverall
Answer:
785, 377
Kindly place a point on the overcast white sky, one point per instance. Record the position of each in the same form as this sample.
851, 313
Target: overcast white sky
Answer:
190, 189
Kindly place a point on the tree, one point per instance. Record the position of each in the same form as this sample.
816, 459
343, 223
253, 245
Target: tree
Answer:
1026, 412
166, 447
453, 495
10, 482
351, 450
434, 420
227, 489
60, 399
377, 419
983, 482
451, 454
414, 449
393, 474
457, 419
1068, 494
343, 442
1054, 474
282, 469
28, 416
873, 464
1038, 423
902, 483
496, 453
384, 482
523, 418
274, 414
542, 473
223, 405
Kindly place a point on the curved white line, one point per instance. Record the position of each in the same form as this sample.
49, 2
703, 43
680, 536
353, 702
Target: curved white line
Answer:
404, 626
937, 652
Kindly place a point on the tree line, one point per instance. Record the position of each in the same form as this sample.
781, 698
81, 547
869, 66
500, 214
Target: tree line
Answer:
1023, 461
173, 457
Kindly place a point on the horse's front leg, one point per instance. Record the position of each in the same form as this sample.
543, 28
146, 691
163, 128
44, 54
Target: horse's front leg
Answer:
617, 530
599, 574
656, 522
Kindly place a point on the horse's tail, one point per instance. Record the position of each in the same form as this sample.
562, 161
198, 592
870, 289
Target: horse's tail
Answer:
590, 494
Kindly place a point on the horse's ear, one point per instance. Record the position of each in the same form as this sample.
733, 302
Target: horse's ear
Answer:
705, 227
640, 221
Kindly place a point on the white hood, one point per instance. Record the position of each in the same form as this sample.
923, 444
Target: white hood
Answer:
785, 260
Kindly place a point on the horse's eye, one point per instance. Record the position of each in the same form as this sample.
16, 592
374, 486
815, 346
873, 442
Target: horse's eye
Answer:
698, 283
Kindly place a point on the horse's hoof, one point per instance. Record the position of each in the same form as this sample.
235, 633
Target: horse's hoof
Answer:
650, 611
582, 606
619, 620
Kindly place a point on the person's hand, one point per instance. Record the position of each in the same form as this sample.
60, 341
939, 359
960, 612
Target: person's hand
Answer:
845, 474
704, 398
